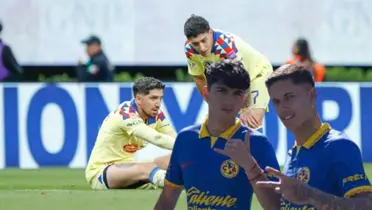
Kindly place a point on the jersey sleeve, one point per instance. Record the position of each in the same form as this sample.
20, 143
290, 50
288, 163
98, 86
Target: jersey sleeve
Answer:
194, 66
348, 169
133, 124
174, 177
163, 125
263, 152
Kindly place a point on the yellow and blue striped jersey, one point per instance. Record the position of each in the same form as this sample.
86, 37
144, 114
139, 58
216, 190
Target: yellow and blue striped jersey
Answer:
330, 162
212, 180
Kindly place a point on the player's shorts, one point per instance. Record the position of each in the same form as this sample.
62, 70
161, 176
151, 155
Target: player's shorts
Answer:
99, 182
259, 95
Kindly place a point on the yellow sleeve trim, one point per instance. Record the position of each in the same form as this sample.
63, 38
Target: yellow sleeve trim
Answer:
172, 185
357, 190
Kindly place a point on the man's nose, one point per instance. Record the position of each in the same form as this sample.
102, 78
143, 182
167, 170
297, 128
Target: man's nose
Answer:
203, 47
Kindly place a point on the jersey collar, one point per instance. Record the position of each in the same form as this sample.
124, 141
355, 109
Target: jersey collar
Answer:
133, 106
316, 136
225, 135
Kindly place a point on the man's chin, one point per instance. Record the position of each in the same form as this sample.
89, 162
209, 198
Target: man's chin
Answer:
153, 114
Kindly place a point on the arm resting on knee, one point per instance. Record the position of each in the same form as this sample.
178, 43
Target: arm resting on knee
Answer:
152, 136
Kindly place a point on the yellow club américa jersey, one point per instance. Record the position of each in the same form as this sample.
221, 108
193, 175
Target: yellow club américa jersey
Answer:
229, 46
116, 142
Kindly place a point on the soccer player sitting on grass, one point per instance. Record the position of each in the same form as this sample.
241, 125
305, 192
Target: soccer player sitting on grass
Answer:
324, 169
126, 130
212, 180
205, 45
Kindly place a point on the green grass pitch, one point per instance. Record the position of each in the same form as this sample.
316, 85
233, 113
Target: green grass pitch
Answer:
66, 189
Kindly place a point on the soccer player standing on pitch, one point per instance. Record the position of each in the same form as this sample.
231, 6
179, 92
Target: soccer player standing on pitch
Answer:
212, 180
324, 169
205, 45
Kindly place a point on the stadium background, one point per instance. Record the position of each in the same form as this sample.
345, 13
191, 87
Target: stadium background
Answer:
49, 120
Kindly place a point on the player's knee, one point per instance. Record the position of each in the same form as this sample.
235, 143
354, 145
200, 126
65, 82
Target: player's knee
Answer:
120, 176
162, 162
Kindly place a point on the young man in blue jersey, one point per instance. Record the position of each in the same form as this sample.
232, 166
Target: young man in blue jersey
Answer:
324, 169
213, 180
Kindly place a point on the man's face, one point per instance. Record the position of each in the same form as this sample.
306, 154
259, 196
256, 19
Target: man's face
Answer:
150, 103
203, 43
294, 104
224, 101
93, 49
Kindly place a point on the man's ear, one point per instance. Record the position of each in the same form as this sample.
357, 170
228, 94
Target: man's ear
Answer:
138, 99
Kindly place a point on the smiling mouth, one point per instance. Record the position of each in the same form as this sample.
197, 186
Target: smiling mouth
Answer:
288, 117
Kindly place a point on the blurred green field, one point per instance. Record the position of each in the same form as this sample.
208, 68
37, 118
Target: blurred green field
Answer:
66, 189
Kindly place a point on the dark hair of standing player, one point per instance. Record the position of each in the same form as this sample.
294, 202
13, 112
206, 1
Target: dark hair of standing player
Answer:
195, 25
297, 74
146, 84
228, 72
1, 26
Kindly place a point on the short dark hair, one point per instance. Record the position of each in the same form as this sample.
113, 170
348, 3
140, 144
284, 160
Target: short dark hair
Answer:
228, 72
296, 73
146, 84
1, 26
195, 25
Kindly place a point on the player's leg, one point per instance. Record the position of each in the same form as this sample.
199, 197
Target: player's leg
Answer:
124, 175
163, 161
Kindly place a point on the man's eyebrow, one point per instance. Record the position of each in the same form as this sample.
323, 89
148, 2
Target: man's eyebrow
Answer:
194, 42
288, 93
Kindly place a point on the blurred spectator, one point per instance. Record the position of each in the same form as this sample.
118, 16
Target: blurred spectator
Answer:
10, 71
301, 55
98, 68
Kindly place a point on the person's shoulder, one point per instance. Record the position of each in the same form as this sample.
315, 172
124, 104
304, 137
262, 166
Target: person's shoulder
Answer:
229, 36
126, 110
338, 141
187, 135
219, 33
225, 45
190, 130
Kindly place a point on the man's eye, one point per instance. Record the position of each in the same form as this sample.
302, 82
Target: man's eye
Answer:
290, 97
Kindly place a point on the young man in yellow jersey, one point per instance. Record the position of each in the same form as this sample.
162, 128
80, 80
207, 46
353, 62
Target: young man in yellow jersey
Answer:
205, 45
129, 128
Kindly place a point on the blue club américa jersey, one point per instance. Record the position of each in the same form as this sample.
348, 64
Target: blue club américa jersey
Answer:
330, 162
212, 180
